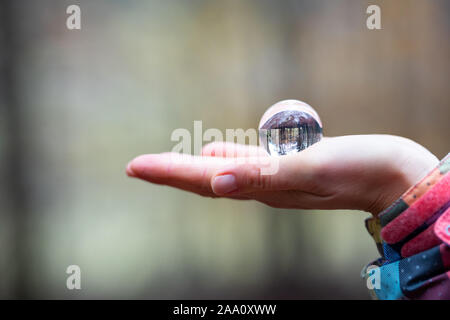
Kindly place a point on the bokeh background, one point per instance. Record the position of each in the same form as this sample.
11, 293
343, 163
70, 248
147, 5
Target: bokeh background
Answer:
76, 106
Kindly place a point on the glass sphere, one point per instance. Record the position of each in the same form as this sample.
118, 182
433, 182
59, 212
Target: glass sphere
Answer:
288, 127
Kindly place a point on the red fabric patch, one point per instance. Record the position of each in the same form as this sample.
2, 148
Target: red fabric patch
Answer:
424, 241
418, 213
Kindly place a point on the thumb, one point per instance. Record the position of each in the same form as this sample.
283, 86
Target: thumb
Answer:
264, 174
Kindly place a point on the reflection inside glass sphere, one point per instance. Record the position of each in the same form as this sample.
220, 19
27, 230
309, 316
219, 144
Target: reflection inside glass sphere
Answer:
289, 131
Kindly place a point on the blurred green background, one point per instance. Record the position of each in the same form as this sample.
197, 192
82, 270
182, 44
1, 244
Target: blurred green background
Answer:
76, 106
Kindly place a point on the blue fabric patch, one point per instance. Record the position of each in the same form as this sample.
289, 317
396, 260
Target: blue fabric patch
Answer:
417, 269
390, 253
389, 282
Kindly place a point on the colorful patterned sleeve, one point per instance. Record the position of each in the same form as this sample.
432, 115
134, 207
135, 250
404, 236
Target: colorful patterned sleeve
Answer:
413, 238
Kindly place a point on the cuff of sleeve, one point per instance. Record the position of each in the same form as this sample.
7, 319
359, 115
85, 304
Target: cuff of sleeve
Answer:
421, 202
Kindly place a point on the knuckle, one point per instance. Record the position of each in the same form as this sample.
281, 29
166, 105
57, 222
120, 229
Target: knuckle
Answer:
258, 181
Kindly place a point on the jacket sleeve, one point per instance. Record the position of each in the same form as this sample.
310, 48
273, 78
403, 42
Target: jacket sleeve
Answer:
413, 238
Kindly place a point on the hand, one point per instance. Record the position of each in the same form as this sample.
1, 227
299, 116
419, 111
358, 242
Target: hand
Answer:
363, 172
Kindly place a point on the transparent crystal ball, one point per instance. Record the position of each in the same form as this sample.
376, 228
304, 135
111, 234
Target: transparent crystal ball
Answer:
288, 127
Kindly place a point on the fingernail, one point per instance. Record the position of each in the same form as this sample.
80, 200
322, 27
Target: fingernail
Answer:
224, 184
129, 171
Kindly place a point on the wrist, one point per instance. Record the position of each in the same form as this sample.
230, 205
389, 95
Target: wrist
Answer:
411, 163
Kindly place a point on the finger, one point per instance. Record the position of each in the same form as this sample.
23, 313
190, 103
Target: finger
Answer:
232, 150
290, 172
215, 176
229, 176
180, 171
